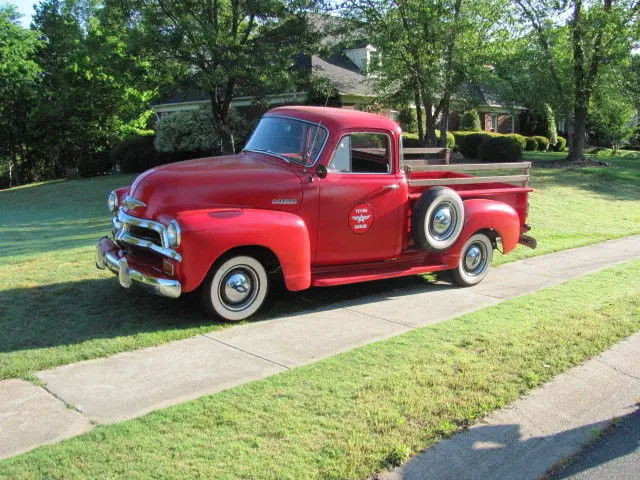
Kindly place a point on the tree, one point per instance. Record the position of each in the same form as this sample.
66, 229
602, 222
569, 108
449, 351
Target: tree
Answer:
432, 47
94, 89
470, 120
595, 35
225, 47
19, 75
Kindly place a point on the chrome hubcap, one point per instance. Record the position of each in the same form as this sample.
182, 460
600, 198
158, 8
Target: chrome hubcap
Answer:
239, 288
475, 259
443, 222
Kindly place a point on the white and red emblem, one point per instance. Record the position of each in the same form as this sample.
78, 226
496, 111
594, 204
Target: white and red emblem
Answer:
360, 218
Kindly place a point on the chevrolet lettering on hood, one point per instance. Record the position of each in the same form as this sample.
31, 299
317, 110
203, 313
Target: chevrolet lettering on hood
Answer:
318, 197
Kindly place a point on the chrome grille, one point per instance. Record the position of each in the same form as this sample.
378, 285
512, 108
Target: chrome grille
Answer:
143, 233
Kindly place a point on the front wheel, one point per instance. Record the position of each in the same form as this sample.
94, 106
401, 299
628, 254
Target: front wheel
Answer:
475, 260
236, 289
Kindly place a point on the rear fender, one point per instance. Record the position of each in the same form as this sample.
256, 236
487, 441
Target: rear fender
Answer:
483, 214
207, 235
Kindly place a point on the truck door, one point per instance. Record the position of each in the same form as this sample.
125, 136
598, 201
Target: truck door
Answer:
360, 208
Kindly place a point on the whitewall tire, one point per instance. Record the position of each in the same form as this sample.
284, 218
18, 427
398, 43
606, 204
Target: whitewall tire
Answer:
475, 260
236, 289
437, 219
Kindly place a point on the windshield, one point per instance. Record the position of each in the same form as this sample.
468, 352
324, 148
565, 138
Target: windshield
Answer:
289, 139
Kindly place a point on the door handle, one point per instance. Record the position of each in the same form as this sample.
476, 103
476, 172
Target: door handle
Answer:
393, 186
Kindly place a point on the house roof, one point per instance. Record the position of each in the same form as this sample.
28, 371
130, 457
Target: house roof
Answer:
348, 81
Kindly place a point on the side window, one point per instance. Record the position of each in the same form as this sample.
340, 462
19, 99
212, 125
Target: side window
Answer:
341, 161
362, 153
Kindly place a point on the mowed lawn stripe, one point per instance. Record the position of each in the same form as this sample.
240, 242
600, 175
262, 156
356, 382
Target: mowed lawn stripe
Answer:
353, 414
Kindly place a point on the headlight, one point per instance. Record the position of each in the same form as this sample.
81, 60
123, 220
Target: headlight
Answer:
174, 233
112, 202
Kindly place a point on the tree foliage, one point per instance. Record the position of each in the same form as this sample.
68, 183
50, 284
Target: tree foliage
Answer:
196, 131
431, 47
19, 78
224, 47
578, 40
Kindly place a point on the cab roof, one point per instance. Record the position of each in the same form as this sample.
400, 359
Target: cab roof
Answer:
337, 118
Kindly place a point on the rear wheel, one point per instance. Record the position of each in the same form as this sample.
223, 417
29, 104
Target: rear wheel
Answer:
475, 260
236, 289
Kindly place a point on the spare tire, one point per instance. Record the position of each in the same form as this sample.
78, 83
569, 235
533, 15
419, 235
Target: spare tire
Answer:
437, 219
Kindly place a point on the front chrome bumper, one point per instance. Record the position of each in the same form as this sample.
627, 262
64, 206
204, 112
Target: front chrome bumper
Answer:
108, 256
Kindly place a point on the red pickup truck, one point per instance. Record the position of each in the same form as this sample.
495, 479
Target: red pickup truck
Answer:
318, 197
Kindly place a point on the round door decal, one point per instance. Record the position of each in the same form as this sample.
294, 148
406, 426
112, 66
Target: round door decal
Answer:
360, 218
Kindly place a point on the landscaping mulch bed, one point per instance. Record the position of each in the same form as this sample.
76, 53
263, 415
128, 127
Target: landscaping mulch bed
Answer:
586, 163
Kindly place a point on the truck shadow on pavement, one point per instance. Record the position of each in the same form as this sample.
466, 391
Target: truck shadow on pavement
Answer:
73, 312
487, 452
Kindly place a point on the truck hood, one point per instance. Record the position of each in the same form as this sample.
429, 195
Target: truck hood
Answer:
250, 180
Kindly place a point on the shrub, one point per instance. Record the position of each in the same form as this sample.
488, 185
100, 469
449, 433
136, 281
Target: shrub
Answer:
93, 164
451, 140
411, 140
468, 144
560, 145
540, 120
531, 144
407, 120
543, 143
520, 139
194, 131
500, 149
470, 121
134, 155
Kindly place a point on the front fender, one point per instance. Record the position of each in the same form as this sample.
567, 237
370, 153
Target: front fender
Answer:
207, 235
483, 214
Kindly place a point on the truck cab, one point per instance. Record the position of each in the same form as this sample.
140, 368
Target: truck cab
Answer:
318, 196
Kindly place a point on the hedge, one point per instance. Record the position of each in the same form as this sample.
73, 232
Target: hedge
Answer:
543, 143
468, 143
520, 139
504, 148
531, 144
560, 145
93, 164
470, 121
411, 140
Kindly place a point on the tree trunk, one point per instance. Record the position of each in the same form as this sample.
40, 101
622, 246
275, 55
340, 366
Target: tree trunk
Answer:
444, 120
576, 148
419, 119
220, 112
431, 138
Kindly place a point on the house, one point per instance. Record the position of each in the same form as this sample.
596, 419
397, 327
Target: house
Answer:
348, 71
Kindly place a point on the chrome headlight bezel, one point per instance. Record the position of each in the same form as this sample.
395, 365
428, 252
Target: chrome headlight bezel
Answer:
174, 234
112, 202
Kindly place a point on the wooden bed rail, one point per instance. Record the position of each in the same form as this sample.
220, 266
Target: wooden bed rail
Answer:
415, 166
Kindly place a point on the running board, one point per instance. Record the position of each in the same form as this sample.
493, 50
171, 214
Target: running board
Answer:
332, 276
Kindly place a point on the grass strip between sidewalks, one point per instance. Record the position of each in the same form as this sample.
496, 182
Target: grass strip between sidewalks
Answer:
357, 412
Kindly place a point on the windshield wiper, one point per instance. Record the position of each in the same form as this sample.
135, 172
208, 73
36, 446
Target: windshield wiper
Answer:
268, 152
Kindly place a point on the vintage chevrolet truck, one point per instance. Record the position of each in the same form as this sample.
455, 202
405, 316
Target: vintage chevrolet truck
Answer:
317, 197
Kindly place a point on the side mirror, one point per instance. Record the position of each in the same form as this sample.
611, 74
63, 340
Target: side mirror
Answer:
321, 171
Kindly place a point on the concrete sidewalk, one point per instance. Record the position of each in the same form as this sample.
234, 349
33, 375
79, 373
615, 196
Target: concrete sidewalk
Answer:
75, 397
527, 438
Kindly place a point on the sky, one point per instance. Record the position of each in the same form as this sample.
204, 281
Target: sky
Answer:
25, 7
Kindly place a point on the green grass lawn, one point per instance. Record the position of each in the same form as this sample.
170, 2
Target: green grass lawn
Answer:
353, 414
57, 308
